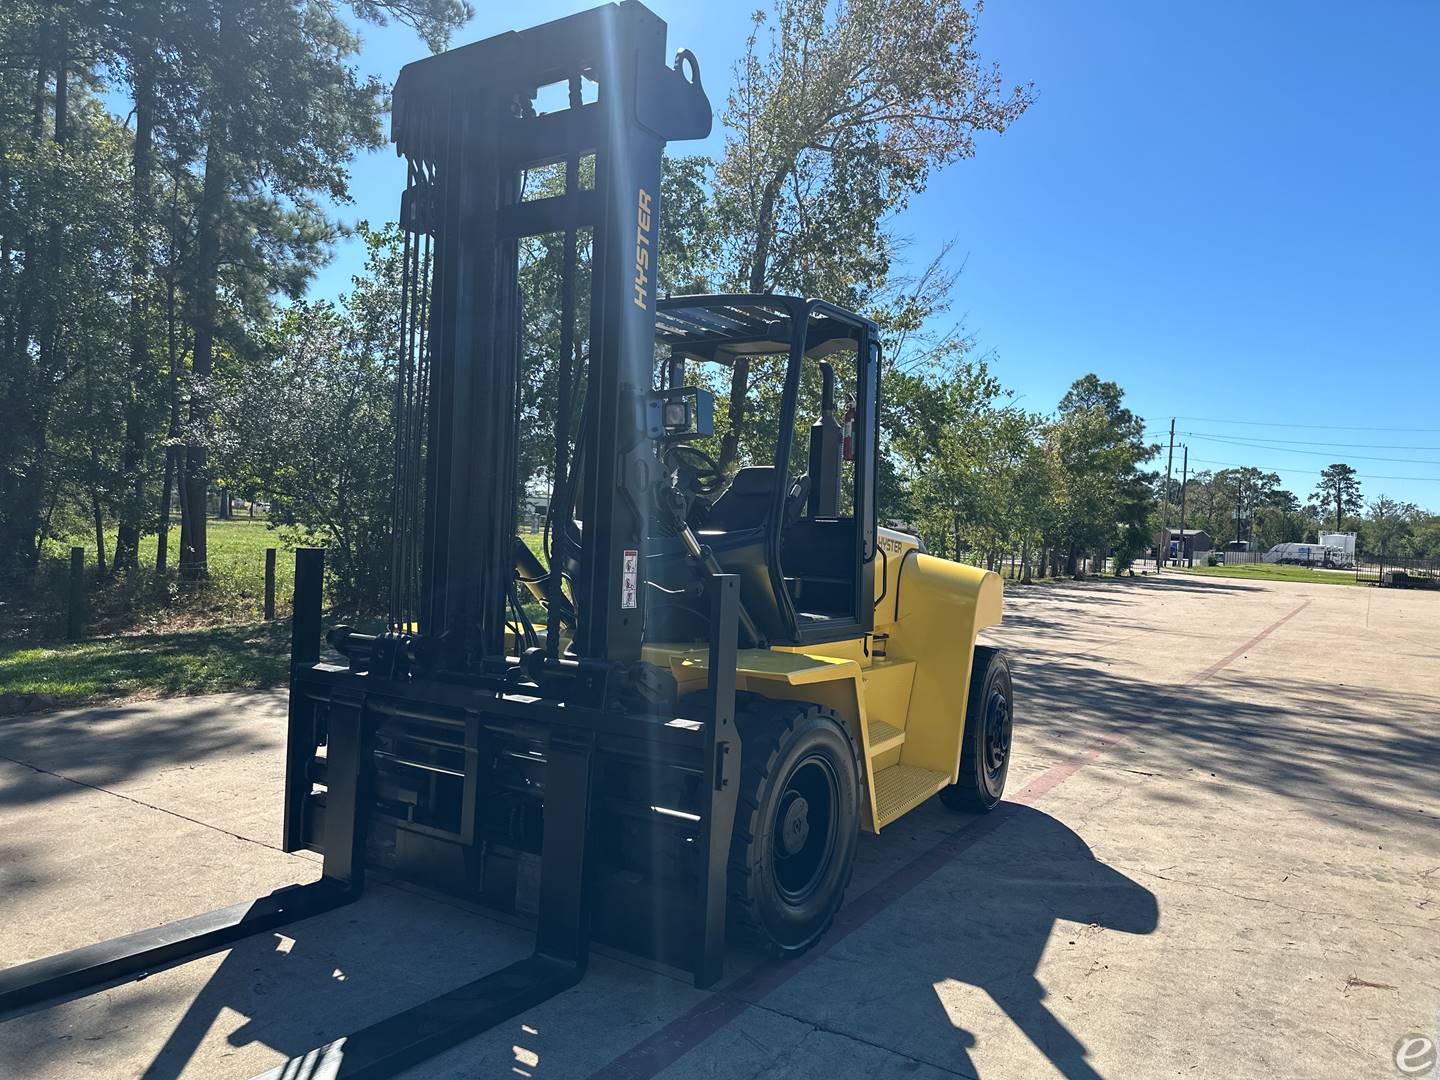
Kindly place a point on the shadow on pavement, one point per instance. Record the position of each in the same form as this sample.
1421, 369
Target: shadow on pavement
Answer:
1314, 742
1034, 872
106, 745
293, 989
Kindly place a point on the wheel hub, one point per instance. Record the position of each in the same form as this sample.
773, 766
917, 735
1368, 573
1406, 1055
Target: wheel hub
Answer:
997, 733
795, 826
803, 836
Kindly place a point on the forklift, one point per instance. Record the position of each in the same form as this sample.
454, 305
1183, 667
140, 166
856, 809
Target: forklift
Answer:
664, 722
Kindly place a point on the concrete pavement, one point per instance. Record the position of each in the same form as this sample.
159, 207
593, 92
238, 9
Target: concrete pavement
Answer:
1217, 858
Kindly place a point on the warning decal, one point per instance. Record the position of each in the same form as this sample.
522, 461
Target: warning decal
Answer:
630, 580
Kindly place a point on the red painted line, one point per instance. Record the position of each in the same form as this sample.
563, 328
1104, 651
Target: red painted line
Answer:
1220, 665
677, 1038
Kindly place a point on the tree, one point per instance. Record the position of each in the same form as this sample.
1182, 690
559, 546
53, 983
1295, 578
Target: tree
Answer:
63, 236
1340, 490
242, 114
1246, 489
942, 448
1387, 525
1424, 539
282, 109
1095, 447
690, 235
1278, 518
839, 114
312, 425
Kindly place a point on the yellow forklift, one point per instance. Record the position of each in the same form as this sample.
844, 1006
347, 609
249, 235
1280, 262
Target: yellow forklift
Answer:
667, 719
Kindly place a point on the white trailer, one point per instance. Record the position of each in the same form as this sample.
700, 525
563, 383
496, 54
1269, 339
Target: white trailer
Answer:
1324, 555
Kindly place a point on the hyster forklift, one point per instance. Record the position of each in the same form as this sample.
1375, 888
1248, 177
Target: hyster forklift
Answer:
670, 718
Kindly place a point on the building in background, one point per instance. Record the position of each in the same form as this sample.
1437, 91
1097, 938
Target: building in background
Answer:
1183, 546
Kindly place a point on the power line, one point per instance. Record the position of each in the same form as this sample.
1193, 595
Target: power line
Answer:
1229, 441
1316, 427
1308, 472
1312, 442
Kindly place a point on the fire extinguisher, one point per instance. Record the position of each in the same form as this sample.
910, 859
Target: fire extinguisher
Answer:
848, 429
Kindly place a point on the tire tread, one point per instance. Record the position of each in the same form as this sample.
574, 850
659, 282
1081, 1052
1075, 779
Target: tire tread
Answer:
764, 724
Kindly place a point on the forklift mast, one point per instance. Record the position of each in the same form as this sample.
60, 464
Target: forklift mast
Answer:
467, 125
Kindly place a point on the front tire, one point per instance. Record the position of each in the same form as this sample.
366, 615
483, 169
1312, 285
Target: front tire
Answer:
797, 821
989, 725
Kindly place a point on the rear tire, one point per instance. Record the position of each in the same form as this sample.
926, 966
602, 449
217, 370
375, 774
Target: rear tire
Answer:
797, 822
989, 724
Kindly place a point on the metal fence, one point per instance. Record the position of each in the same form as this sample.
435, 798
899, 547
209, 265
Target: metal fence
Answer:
1317, 558
1399, 573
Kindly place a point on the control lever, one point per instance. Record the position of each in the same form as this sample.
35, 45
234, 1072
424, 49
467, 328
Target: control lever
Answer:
706, 558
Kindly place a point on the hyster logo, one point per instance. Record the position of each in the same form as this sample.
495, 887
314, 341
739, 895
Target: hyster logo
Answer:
642, 250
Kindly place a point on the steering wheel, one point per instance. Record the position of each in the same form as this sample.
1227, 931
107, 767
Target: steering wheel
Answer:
695, 468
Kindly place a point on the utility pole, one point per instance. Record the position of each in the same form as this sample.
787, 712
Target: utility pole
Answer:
1184, 482
1239, 502
1163, 550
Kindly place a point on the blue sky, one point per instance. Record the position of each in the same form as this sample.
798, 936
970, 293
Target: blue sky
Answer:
1230, 209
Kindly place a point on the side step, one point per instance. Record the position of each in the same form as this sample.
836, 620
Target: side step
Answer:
883, 737
901, 788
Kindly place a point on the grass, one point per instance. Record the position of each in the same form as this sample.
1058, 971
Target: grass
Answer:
203, 661
1276, 572
236, 557
32, 610
147, 636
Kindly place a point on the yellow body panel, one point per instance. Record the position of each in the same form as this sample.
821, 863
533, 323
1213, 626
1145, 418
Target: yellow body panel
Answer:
906, 712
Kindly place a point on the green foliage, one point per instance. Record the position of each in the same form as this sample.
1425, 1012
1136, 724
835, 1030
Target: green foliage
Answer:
34, 606
838, 114
311, 427
690, 233
139, 264
1390, 529
63, 242
1096, 446
1244, 504
1338, 492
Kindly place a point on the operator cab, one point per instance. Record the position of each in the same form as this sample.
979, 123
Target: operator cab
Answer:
784, 499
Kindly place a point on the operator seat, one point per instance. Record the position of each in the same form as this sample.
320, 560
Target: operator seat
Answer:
735, 531
745, 504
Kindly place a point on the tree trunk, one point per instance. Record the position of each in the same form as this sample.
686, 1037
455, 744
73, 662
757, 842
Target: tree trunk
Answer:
193, 547
99, 531
759, 273
1025, 561
132, 509
172, 332
22, 471
764, 226
162, 535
